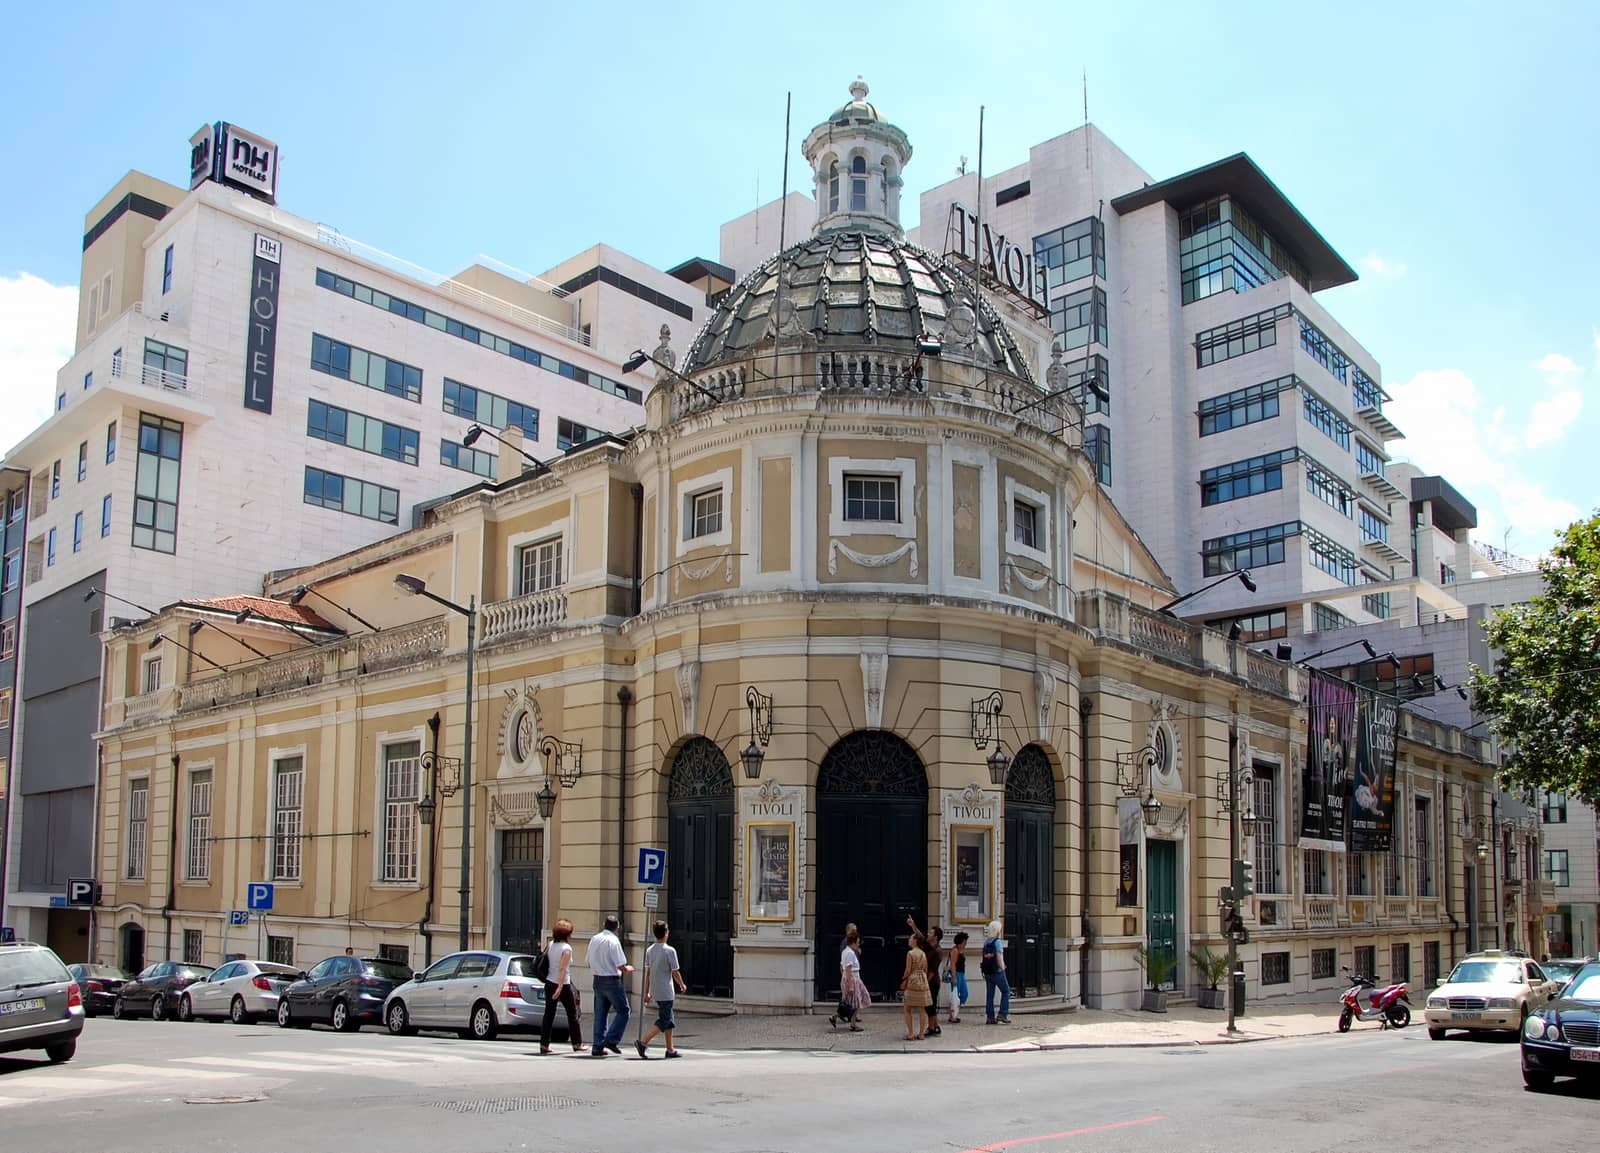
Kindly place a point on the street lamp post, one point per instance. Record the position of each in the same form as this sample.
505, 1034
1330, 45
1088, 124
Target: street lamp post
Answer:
1241, 879
415, 586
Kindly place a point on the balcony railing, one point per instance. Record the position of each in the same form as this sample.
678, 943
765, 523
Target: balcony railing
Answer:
122, 369
533, 612
1158, 633
1320, 914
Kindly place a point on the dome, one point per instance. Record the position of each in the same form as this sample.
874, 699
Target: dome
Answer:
857, 111
858, 291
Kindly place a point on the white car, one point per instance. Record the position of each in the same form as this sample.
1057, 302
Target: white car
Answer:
476, 994
1492, 990
241, 991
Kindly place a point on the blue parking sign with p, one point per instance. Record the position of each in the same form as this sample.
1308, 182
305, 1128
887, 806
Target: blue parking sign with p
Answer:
652, 866
260, 897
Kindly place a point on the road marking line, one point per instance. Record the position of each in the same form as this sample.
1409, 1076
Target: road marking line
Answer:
1404, 1069
999, 1145
250, 1063
159, 1071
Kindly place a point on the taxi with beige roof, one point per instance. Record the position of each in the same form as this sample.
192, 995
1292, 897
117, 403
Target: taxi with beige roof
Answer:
1492, 990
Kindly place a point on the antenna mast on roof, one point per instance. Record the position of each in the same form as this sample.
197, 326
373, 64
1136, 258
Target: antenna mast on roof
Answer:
977, 228
783, 227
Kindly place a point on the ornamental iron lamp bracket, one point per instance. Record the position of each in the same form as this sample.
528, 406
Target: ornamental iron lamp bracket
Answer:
1236, 794
760, 706
986, 714
563, 760
1135, 771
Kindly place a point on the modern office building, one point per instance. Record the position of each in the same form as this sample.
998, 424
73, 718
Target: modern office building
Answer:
13, 533
252, 390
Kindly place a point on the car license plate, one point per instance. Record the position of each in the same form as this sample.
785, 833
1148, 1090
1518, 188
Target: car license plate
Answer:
1460, 1015
1585, 1054
33, 1004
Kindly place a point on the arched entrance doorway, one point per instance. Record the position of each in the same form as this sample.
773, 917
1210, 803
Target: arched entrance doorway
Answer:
130, 946
1030, 873
700, 866
872, 856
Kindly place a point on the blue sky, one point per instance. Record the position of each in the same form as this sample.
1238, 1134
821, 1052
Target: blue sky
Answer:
1447, 150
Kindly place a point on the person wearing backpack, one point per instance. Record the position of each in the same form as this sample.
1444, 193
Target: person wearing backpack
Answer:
992, 964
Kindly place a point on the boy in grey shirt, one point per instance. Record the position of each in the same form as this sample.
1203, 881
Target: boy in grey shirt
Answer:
661, 982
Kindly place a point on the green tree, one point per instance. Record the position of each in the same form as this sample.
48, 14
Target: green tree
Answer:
1543, 696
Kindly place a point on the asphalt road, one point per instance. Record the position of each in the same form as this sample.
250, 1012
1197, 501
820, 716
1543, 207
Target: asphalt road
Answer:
142, 1087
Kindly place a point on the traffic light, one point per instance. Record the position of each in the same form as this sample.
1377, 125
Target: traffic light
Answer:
1225, 895
1244, 879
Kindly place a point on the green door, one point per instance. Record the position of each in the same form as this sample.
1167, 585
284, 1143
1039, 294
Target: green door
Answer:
1161, 901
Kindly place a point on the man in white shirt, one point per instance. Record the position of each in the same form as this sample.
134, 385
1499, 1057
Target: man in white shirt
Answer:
608, 962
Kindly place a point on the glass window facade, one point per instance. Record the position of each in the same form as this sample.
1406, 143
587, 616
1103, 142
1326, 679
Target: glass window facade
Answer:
155, 484
454, 454
1256, 548
357, 365
1071, 252
1256, 627
1377, 604
1221, 248
1328, 618
1373, 527
1324, 351
1388, 677
570, 434
1097, 443
364, 433
1367, 392
1242, 406
491, 411
417, 314
166, 364
1368, 460
1328, 488
1079, 318
1244, 478
1324, 419
356, 497
1089, 383
1238, 337
1330, 556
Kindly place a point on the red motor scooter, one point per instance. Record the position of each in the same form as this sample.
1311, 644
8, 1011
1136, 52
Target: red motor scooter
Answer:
1389, 1006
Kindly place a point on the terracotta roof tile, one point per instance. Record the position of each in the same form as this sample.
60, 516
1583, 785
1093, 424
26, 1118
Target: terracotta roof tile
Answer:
276, 610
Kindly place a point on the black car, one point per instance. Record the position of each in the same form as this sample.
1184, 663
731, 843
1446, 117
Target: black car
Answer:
1562, 1038
154, 992
1563, 969
100, 984
345, 992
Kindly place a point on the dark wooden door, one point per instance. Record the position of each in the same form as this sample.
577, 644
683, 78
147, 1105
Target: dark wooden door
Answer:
1161, 872
872, 857
521, 889
700, 867
1030, 874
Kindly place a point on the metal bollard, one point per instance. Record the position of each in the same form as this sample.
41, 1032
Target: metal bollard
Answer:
1238, 992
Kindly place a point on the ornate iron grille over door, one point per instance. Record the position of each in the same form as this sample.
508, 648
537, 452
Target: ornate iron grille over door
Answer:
700, 866
872, 856
1030, 873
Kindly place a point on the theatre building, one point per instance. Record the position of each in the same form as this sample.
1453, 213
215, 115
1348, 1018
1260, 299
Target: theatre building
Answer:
846, 628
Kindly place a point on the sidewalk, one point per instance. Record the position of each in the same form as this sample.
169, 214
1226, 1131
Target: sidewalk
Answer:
883, 1030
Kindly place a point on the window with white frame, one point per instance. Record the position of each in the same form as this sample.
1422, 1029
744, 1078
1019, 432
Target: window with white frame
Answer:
288, 811
704, 501
874, 495
539, 566
402, 780
138, 828
871, 499
1269, 868
150, 675
200, 825
704, 514
1025, 519
1028, 534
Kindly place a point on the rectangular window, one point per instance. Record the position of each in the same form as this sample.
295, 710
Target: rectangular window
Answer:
1447, 575
280, 950
1269, 870
872, 498
1430, 964
1366, 959
200, 825
363, 433
50, 548
288, 798
1330, 556
150, 675
705, 514
1368, 393
1326, 618
1358, 874
8, 629
1324, 419
61, 401
1553, 808
111, 442
356, 497
439, 322
454, 454
539, 567
1238, 337
402, 777
1089, 383
1244, 478
1274, 968
1400, 962
166, 271
138, 828
94, 306
1071, 252
5, 707
1256, 548
570, 434
1323, 484
399, 954
1557, 866
368, 369
1387, 676
1314, 866
193, 947
1097, 446
166, 365
1242, 406
489, 410
55, 480
1079, 318
1221, 248
1377, 604
1025, 523
1394, 882
1373, 527
1369, 460
1323, 350
155, 484
83, 460
77, 532
1323, 963
15, 503
13, 576
105, 515
88, 381
1257, 627
1422, 832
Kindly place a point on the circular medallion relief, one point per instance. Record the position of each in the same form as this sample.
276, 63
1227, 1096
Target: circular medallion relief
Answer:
522, 741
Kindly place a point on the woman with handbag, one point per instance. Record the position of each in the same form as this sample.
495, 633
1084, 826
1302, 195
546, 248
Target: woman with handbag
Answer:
558, 987
853, 995
955, 967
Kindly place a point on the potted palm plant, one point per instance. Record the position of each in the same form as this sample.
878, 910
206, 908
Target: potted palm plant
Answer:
1158, 969
1212, 969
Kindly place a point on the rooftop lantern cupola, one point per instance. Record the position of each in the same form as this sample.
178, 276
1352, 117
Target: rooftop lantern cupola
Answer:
856, 158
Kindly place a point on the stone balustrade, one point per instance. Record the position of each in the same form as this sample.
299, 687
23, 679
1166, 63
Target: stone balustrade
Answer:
532, 613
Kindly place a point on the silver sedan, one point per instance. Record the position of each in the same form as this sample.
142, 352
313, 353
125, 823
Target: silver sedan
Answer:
241, 991
476, 993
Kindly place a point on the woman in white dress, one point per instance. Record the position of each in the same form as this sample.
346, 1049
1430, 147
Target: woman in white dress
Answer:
853, 995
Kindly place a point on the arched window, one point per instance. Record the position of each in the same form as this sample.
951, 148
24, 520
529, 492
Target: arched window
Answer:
833, 187
858, 184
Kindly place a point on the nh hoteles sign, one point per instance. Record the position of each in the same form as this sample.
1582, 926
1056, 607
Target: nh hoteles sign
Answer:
229, 155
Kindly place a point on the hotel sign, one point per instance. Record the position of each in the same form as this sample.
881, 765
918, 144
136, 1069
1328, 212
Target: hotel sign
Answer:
261, 343
229, 155
996, 259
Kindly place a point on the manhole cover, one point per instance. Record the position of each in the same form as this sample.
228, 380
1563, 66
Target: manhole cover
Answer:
507, 1104
233, 1099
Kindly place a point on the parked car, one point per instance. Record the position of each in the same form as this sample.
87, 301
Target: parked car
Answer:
1563, 1038
345, 992
155, 991
477, 994
99, 984
240, 991
1493, 990
41, 1006
1563, 969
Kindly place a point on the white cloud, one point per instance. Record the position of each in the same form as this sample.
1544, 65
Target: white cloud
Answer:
1550, 417
1559, 369
38, 324
1381, 268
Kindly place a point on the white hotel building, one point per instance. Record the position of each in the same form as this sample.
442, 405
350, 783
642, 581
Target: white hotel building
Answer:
208, 429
